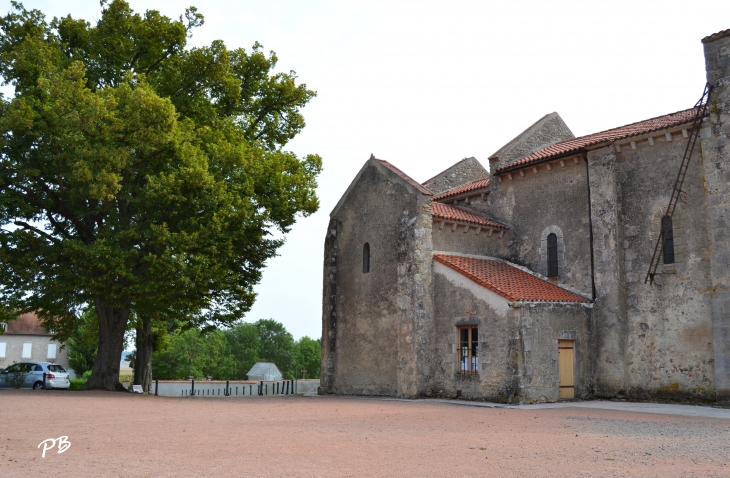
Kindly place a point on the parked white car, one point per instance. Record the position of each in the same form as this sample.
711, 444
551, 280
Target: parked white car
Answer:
56, 375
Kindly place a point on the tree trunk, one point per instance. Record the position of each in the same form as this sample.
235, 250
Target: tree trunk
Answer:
143, 355
112, 325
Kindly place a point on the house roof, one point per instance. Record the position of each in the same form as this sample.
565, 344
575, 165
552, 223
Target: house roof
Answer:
26, 324
447, 212
506, 280
565, 148
403, 175
463, 189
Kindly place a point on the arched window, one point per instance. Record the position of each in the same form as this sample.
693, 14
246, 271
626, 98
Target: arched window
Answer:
668, 240
552, 253
366, 258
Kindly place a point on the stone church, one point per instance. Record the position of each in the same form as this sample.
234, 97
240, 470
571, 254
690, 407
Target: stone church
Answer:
596, 266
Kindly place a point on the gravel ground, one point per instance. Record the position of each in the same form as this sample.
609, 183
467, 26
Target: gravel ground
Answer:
115, 434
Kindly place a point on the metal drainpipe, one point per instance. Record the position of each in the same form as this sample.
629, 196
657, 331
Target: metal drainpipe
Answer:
590, 228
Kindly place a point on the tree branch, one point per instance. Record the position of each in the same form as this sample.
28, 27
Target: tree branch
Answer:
28, 227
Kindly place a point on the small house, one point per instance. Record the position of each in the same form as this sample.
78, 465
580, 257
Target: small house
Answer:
25, 339
264, 371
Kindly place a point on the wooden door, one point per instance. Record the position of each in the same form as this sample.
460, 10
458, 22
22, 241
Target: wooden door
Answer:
566, 359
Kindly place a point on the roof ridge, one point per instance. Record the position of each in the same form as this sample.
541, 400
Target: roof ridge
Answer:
403, 175
477, 219
572, 145
463, 188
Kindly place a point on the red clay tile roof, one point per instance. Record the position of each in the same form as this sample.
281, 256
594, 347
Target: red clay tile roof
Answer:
634, 129
444, 211
26, 324
715, 36
403, 175
464, 188
510, 282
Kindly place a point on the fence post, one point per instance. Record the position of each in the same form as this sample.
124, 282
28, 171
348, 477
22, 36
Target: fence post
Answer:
192, 391
44, 381
226, 391
157, 384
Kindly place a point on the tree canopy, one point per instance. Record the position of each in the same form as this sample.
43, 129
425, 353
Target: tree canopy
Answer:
141, 176
230, 353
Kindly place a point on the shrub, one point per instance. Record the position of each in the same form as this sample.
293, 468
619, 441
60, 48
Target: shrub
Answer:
16, 374
77, 383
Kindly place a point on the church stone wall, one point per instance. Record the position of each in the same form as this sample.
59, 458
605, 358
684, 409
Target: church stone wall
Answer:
541, 326
668, 344
448, 239
459, 301
716, 152
531, 203
465, 171
375, 324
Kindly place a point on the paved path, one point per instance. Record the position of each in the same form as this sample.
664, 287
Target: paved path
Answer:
639, 407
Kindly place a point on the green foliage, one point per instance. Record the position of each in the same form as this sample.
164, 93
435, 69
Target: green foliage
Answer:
192, 353
77, 383
17, 373
138, 175
230, 354
86, 375
276, 345
309, 357
82, 344
244, 342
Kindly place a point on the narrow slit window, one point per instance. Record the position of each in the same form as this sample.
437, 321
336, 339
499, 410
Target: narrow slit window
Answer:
552, 250
366, 258
667, 240
469, 349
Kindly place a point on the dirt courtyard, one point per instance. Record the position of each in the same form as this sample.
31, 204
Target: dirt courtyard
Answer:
125, 435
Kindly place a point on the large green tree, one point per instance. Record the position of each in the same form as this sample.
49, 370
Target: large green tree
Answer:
140, 176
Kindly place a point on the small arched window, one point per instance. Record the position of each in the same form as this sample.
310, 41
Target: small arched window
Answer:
552, 253
366, 258
667, 240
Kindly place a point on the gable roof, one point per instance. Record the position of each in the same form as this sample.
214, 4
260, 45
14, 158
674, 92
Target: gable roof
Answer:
466, 188
549, 129
383, 167
403, 175
573, 146
447, 212
506, 280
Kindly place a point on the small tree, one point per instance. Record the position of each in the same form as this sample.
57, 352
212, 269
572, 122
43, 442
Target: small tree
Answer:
309, 357
82, 344
17, 373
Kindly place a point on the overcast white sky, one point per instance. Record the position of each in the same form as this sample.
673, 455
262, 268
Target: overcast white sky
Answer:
424, 84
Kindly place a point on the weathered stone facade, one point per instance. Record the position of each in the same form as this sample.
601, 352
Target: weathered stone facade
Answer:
588, 212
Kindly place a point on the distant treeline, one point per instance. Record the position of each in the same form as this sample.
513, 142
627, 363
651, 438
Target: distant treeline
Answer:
221, 354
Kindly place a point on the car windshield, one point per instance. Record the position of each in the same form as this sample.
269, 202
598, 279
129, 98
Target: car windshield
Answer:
56, 368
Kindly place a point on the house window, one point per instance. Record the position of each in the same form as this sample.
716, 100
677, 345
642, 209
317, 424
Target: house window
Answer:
668, 240
2, 349
469, 349
366, 258
27, 350
51, 351
552, 253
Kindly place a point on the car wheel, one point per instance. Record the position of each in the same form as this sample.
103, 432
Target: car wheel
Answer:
38, 386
